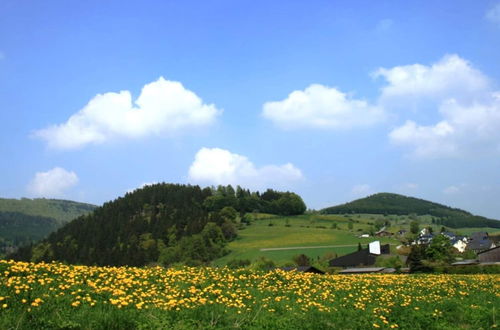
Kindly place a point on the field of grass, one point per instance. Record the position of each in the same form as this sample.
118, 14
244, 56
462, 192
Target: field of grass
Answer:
48, 296
298, 231
271, 231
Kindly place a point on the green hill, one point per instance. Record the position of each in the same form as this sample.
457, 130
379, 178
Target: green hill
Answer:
60, 210
387, 203
27, 220
165, 223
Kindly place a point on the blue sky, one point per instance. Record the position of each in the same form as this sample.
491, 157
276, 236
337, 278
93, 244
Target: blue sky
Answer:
332, 99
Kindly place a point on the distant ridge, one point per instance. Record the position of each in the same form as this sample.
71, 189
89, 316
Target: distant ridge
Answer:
28, 220
389, 203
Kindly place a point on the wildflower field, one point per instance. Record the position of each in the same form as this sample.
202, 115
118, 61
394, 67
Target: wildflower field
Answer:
55, 295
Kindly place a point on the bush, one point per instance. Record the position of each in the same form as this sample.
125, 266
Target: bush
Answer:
238, 263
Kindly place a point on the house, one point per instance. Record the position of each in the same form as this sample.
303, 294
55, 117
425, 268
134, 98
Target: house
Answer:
364, 236
459, 243
490, 255
425, 239
425, 231
383, 233
365, 257
365, 270
303, 269
479, 241
449, 234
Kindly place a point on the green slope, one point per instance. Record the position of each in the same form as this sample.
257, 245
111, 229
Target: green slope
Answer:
312, 235
387, 203
62, 211
27, 220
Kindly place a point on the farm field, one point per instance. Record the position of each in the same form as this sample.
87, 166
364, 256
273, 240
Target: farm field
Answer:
313, 230
299, 231
35, 296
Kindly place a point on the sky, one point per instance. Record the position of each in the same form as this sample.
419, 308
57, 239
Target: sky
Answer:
334, 100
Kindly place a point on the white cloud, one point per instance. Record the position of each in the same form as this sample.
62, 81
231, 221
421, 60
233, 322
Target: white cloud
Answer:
493, 15
163, 107
219, 166
320, 106
463, 96
413, 85
53, 183
361, 190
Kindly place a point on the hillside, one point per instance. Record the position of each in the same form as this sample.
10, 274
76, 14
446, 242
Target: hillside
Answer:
163, 223
60, 210
387, 203
27, 220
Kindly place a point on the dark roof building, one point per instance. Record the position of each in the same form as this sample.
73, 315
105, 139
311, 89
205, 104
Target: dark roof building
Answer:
363, 257
479, 241
491, 255
382, 232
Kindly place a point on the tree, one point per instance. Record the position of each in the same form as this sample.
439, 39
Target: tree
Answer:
359, 247
440, 250
228, 213
415, 258
302, 260
414, 227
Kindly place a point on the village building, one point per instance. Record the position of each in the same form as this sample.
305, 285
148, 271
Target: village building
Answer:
490, 255
365, 257
480, 241
383, 233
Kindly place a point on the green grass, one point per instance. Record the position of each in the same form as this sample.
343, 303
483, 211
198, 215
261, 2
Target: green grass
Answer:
316, 230
58, 296
302, 231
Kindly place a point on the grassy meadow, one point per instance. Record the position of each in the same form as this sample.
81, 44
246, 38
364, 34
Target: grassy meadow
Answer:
309, 231
50, 296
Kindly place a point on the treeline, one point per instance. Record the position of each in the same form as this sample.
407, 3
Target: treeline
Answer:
386, 203
467, 222
165, 223
244, 201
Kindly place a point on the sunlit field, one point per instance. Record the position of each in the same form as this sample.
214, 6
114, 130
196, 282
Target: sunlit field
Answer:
55, 295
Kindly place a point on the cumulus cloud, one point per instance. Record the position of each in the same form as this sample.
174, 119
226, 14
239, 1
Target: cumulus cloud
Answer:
493, 15
412, 85
53, 183
320, 106
163, 107
464, 98
219, 166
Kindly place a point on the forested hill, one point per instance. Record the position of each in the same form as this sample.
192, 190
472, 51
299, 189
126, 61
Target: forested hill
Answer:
165, 223
387, 203
27, 220
60, 210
